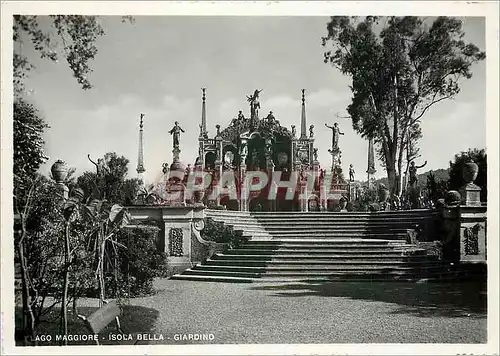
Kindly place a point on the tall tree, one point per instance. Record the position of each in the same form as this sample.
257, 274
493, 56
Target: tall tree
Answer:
72, 37
400, 67
29, 155
115, 186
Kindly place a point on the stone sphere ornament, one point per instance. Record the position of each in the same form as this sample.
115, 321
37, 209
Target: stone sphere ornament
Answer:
452, 198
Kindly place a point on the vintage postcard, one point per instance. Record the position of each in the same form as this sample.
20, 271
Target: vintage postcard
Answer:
249, 178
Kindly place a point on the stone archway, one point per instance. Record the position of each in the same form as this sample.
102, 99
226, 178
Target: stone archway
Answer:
210, 159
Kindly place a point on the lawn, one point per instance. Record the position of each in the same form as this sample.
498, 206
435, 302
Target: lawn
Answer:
321, 312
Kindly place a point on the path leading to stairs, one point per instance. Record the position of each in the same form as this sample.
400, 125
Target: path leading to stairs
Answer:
333, 312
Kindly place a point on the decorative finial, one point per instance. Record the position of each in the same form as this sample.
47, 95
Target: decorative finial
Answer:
218, 129
303, 121
203, 95
141, 124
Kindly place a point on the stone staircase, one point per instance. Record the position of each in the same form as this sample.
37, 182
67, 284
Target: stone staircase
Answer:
242, 221
288, 246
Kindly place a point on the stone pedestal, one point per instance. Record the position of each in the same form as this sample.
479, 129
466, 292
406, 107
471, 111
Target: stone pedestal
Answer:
179, 225
471, 195
63, 190
473, 234
175, 194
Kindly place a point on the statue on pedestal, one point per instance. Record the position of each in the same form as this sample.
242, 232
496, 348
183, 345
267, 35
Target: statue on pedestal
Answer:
176, 132
351, 173
413, 173
228, 160
243, 149
270, 117
311, 132
335, 135
102, 169
254, 104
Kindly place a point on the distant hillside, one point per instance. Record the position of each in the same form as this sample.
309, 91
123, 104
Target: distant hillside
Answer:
440, 174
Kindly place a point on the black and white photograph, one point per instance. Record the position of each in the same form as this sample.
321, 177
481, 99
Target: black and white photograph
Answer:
249, 178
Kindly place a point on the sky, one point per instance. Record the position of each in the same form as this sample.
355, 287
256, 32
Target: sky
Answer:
158, 65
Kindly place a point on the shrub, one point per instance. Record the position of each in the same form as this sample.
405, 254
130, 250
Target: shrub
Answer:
435, 189
140, 263
364, 200
219, 232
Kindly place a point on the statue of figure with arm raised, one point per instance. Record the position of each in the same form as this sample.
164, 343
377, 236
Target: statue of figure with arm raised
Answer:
335, 135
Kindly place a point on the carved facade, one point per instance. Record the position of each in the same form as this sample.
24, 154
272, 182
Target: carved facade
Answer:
259, 144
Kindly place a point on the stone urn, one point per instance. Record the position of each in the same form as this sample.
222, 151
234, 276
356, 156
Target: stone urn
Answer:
470, 172
59, 171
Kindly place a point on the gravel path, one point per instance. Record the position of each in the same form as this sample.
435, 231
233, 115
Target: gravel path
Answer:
337, 312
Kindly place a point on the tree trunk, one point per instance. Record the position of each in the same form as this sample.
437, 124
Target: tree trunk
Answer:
391, 177
102, 295
400, 169
28, 316
390, 166
64, 307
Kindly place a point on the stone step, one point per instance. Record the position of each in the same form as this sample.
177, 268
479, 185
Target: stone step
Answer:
318, 263
368, 274
343, 230
199, 272
236, 220
333, 235
323, 216
335, 225
333, 242
279, 258
413, 212
249, 254
324, 247
306, 258
206, 278
354, 221
333, 277
251, 231
324, 244
305, 269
